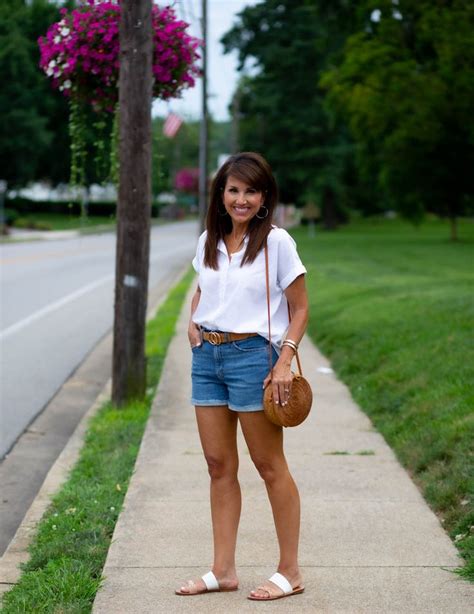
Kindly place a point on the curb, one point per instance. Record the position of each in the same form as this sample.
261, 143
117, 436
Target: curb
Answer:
17, 550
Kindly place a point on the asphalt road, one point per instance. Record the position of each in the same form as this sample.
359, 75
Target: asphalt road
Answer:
56, 304
56, 344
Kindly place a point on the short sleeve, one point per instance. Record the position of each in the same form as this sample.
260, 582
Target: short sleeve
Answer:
289, 263
199, 257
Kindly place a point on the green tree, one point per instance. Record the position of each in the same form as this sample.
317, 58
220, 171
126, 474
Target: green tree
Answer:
34, 140
171, 155
281, 106
406, 87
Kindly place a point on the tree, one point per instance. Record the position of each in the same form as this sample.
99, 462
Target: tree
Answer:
34, 141
406, 87
170, 155
282, 108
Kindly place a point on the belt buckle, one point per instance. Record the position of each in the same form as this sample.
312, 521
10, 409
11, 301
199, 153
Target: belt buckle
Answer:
214, 338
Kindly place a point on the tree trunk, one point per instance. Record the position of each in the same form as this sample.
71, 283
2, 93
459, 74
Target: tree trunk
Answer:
134, 201
329, 209
454, 228
234, 134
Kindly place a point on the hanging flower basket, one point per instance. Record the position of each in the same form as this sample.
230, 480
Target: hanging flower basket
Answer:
80, 53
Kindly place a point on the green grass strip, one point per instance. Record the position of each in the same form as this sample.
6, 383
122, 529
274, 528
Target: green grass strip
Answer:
392, 307
59, 221
70, 547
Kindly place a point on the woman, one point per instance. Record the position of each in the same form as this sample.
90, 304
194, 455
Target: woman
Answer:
228, 333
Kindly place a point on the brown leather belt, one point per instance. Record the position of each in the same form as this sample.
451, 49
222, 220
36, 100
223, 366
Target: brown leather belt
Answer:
216, 337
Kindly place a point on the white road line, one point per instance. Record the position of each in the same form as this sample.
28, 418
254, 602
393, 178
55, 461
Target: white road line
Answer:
14, 328
53, 307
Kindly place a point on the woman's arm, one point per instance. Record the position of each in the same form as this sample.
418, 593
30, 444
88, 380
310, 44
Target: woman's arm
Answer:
297, 298
298, 301
194, 332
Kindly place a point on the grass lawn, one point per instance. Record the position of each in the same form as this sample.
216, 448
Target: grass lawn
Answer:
58, 221
71, 544
392, 306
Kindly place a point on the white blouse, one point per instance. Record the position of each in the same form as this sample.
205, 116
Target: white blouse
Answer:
234, 299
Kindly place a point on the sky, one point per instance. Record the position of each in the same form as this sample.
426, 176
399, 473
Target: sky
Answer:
222, 69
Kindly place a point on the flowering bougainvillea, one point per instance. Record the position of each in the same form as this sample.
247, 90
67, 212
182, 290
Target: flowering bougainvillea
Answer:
80, 53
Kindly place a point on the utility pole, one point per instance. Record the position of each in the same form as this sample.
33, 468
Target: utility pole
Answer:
203, 137
234, 135
134, 201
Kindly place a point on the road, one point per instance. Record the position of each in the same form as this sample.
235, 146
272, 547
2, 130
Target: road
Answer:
56, 347
56, 304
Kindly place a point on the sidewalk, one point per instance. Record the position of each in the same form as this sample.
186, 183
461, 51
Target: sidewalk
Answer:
33, 235
369, 542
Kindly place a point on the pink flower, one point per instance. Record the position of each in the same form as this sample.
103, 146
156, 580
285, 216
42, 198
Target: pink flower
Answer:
89, 54
187, 180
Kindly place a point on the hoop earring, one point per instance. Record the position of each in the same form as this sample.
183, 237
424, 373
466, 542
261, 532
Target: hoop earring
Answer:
262, 217
220, 212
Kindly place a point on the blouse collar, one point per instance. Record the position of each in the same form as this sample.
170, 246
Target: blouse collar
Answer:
222, 248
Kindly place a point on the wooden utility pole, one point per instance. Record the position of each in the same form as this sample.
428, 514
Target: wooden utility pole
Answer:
234, 134
203, 137
134, 201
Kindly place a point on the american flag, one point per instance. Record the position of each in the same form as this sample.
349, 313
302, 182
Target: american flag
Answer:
172, 125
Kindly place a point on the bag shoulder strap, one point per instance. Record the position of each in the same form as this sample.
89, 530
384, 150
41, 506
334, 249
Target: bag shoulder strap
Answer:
267, 280
270, 362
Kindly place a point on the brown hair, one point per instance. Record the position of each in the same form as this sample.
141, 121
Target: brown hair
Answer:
253, 169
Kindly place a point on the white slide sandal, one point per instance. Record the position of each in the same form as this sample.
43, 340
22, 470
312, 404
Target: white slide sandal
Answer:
210, 582
282, 583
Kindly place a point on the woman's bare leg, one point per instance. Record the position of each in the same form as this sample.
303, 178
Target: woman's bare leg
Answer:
265, 443
218, 433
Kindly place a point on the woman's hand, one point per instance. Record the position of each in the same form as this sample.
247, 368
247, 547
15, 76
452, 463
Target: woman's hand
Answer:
281, 382
194, 335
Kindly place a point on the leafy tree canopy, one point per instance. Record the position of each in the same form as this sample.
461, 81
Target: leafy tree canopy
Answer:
406, 87
182, 151
34, 139
362, 104
281, 105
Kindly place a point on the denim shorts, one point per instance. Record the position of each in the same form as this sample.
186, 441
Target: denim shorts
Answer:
231, 374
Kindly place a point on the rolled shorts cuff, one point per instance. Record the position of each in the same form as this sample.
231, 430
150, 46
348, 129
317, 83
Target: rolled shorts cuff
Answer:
245, 408
209, 403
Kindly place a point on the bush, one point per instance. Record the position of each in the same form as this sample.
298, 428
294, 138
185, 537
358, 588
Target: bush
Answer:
66, 207
25, 222
9, 217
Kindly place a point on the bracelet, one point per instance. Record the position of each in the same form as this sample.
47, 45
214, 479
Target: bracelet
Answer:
290, 344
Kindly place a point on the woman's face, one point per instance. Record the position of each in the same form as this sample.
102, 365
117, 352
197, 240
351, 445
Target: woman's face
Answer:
242, 202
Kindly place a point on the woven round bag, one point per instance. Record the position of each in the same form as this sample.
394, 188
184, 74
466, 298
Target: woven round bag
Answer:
297, 408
